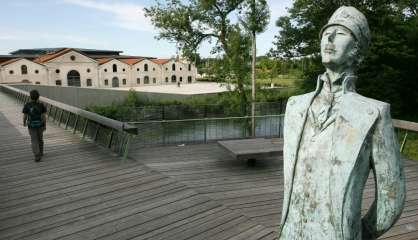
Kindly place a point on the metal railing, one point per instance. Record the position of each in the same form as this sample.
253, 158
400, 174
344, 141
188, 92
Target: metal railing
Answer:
205, 130
180, 112
106, 132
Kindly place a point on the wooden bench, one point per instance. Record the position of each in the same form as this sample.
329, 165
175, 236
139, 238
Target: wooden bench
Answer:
251, 149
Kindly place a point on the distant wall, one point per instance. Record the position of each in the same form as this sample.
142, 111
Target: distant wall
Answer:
82, 97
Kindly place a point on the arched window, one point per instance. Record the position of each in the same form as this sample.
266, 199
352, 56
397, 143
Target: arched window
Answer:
88, 82
190, 67
73, 78
115, 68
145, 67
146, 80
58, 82
181, 79
124, 81
138, 81
106, 82
173, 79
154, 80
173, 67
189, 79
24, 69
166, 79
115, 82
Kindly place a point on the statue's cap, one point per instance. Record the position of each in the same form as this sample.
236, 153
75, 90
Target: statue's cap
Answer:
352, 19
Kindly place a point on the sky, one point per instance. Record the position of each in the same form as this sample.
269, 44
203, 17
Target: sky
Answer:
99, 24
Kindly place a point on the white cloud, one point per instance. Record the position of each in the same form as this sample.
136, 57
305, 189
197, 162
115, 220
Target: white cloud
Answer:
125, 15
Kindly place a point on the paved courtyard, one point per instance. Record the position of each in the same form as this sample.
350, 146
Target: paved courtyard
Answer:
186, 89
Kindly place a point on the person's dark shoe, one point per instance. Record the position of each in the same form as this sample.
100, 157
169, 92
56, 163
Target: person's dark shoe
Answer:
38, 159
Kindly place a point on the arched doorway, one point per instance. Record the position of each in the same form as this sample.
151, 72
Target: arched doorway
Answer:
73, 78
173, 79
115, 82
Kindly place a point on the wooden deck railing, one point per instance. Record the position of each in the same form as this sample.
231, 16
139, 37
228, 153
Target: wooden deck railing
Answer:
408, 127
112, 134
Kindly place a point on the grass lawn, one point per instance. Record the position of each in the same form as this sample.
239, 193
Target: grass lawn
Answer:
279, 81
410, 150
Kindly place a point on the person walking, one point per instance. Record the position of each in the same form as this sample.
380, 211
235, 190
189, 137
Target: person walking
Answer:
34, 116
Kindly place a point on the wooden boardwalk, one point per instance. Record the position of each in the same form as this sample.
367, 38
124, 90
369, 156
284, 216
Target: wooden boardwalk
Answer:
257, 192
82, 191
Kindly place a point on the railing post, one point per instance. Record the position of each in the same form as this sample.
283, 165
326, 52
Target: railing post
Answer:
49, 110
76, 123
164, 133
60, 117
68, 119
126, 148
96, 132
205, 139
85, 128
404, 141
109, 143
55, 114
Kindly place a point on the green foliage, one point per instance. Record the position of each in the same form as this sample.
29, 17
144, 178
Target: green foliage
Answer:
131, 100
193, 22
227, 104
410, 150
106, 111
256, 16
390, 70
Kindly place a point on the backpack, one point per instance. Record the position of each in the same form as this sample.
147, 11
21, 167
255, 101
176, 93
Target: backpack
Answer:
35, 115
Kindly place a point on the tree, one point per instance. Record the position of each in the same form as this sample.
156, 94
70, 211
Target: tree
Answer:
390, 70
255, 20
199, 20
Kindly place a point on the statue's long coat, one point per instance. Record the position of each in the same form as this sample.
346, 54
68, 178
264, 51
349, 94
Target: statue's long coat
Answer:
363, 140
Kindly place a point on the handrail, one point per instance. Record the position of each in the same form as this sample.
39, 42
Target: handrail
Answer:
111, 133
204, 119
108, 122
405, 125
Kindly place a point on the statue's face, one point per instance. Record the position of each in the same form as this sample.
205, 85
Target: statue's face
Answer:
336, 45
